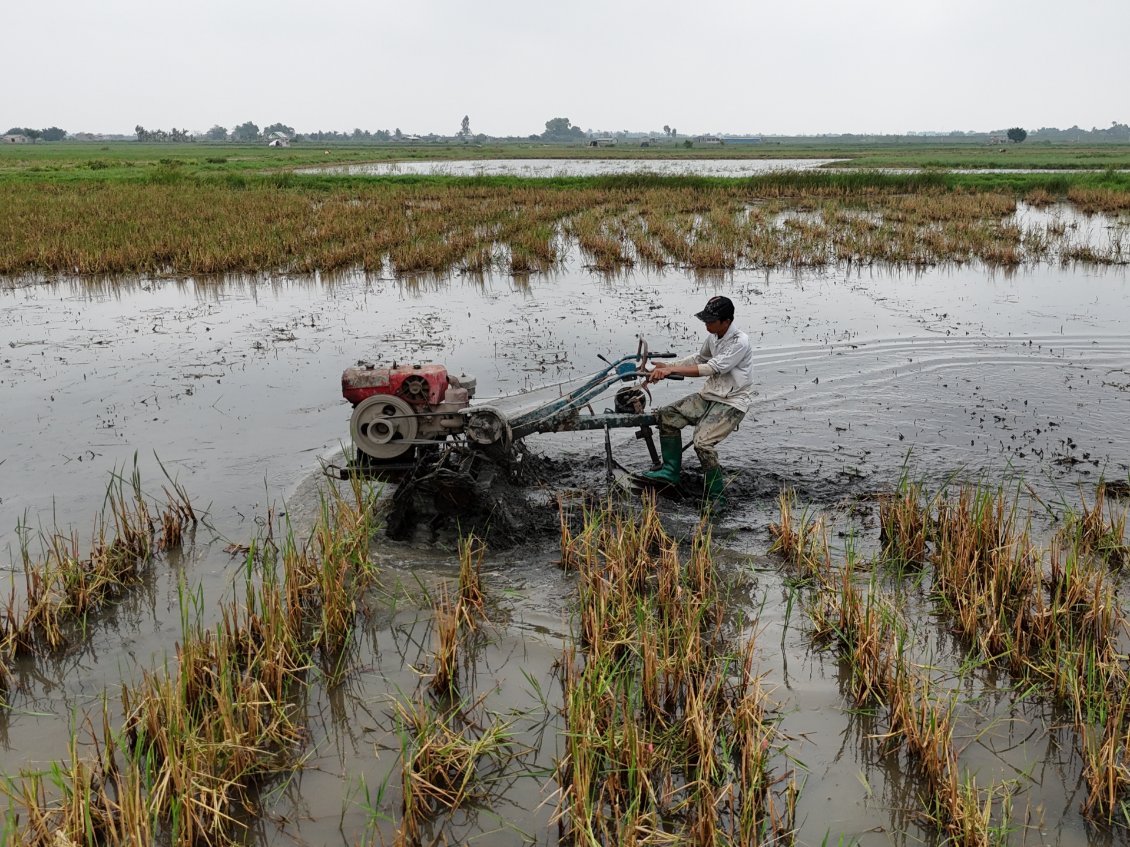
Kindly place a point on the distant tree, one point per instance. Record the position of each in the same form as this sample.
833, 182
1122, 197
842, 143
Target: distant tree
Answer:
674, 132
397, 134
248, 131
1017, 134
288, 131
174, 134
465, 128
560, 129
25, 130
666, 129
217, 133
54, 133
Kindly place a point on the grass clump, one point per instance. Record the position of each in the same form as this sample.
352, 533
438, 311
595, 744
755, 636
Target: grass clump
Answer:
448, 761
668, 736
63, 588
1100, 530
324, 578
802, 540
81, 800
1050, 617
209, 733
904, 525
871, 636
204, 737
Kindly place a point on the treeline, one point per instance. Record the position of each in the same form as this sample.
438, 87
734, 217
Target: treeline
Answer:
245, 132
249, 131
173, 134
51, 133
1114, 132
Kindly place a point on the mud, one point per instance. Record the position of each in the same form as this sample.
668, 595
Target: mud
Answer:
505, 501
862, 375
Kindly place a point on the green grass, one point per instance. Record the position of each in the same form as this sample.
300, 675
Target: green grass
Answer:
127, 160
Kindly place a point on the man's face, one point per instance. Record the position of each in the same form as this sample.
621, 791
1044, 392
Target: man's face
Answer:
718, 327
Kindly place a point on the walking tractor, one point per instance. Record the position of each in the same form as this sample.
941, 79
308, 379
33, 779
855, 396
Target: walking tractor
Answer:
408, 418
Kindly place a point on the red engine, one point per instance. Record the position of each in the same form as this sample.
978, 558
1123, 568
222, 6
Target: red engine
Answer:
420, 385
396, 409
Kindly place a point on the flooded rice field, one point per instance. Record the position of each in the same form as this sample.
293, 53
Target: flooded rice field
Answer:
863, 376
548, 168
578, 167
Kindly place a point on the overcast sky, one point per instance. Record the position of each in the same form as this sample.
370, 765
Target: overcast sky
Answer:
792, 67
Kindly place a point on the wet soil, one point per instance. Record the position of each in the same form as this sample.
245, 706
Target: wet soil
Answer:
862, 375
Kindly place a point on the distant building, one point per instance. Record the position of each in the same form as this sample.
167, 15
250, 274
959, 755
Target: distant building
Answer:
604, 141
709, 140
15, 138
278, 139
743, 139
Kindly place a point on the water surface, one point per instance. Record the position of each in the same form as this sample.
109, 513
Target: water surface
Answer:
578, 167
234, 384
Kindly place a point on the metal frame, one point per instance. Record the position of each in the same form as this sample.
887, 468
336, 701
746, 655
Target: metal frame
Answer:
564, 413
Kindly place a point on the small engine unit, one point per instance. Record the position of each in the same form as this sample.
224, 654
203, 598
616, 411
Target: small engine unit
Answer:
397, 408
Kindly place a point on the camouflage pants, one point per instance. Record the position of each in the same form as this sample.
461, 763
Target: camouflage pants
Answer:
712, 423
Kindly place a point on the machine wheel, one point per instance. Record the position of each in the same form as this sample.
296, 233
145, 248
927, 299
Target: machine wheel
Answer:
487, 427
631, 400
383, 427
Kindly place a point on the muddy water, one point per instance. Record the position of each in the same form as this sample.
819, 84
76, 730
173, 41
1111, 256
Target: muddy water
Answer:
541, 168
234, 385
579, 167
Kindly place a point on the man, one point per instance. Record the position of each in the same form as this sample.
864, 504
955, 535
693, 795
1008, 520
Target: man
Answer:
726, 360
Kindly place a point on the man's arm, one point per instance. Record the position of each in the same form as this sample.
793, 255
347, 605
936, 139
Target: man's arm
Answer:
663, 370
690, 366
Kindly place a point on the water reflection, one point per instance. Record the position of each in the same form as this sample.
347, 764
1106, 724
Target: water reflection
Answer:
550, 168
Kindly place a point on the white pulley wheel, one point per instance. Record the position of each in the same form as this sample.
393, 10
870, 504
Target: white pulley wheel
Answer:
383, 426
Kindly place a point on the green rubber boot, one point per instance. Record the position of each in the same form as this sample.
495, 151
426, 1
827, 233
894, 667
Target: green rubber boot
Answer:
672, 448
714, 499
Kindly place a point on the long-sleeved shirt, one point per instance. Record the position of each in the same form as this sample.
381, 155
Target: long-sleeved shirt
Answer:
727, 363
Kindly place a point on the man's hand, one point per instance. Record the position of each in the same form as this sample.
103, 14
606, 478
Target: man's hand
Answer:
659, 372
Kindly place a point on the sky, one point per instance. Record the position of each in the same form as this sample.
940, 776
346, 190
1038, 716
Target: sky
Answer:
701, 66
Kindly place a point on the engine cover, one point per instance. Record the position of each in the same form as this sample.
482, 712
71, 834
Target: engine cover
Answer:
419, 385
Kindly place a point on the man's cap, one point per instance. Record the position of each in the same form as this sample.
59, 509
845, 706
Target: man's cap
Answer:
717, 309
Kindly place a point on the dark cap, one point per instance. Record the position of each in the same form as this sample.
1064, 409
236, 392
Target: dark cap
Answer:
717, 309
